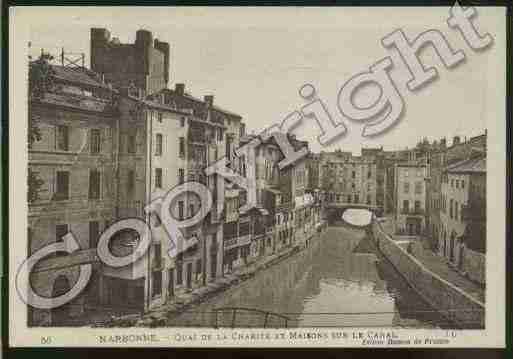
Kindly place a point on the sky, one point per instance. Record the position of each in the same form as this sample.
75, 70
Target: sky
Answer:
254, 60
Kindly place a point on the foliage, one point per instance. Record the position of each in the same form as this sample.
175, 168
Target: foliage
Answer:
41, 76
34, 186
41, 80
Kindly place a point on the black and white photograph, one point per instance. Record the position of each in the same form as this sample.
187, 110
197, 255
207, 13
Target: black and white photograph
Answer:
257, 176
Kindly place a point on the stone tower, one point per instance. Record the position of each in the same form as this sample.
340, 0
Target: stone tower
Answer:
144, 63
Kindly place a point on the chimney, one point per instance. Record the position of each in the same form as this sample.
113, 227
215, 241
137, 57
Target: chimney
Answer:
209, 100
180, 89
456, 140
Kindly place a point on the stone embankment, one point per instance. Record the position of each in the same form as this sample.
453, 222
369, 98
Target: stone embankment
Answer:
160, 316
450, 300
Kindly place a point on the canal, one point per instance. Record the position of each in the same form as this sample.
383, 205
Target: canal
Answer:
340, 280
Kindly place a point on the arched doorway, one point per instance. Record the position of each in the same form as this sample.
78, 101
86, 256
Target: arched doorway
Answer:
60, 316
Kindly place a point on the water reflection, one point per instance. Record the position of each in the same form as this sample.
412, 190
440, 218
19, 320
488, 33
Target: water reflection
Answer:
340, 280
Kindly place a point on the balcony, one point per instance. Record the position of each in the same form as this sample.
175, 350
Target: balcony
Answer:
197, 136
413, 212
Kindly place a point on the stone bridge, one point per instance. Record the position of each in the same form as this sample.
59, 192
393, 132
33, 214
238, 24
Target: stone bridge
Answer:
334, 211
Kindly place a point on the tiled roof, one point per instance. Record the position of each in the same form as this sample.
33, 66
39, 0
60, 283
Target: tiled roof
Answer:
473, 165
199, 106
79, 76
77, 102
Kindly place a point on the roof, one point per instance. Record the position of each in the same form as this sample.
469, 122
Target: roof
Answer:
84, 103
473, 165
198, 101
80, 76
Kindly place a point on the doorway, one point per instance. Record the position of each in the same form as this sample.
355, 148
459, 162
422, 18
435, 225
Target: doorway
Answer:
171, 283
189, 275
213, 266
60, 316
451, 248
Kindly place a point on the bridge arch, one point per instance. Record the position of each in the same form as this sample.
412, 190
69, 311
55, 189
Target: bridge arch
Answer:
334, 212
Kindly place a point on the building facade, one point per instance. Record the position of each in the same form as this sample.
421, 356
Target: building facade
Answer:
410, 198
73, 163
350, 179
463, 216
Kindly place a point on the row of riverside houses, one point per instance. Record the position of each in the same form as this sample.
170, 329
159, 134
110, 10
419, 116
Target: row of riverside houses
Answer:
105, 140
347, 179
434, 190
439, 191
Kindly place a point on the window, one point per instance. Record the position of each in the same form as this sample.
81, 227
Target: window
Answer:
130, 182
369, 174
219, 134
419, 173
450, 208
181, 149
244, 228
456, 207
462, 183
406, 187
180, 210
62, 185
156, 277
406, 173
353, 185
198, 268
158, 177
94, 184
60, 231
30, 235
417, 206
94, 233
406, 206
452, 183
418, 187
353, 174
158, 145
229, 148
131, 144
182, 121
368, 199
457, 184
349, 199
179, 273
356, 198
191, 209
181, 175
95, 141
62, 138
159, 116
157, 261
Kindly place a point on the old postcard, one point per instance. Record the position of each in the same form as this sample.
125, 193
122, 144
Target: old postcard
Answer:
212, 177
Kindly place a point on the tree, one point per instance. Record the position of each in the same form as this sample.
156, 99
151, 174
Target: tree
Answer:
41, 81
